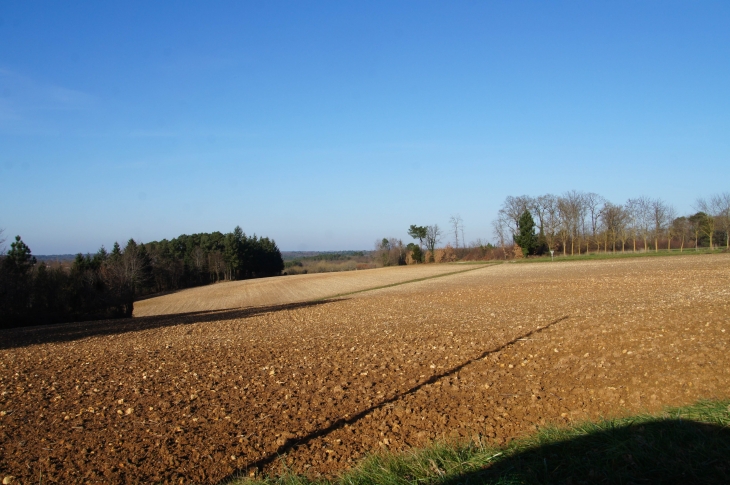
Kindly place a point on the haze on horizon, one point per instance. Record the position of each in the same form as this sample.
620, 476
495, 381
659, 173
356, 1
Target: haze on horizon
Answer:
329, 125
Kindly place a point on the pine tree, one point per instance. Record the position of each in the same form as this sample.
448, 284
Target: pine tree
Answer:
19, 258
526, 237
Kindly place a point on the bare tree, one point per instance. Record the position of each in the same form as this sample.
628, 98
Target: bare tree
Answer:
500, 228
390, 252
549, 216
512, 209
632, 219
433, 237
613, 218
642, 218
593, 203
671, 216
681, 228
463, 239
570, 207
198, 258
710, 222
457, 224
721, 204
660, 219
2, 241
622, 227
216, 263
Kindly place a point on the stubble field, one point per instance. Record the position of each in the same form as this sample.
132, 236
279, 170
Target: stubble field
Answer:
289, 289
312, 387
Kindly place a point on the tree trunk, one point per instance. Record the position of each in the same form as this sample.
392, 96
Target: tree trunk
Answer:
656, 245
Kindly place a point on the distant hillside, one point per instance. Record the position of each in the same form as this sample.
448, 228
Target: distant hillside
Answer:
324, 255
61, 258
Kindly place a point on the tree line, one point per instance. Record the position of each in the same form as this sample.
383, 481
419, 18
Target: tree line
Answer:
578, 222
105, 284
392, 251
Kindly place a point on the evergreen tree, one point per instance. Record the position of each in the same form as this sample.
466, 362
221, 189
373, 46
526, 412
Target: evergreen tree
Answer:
19, 259
526, 237
116, 254
420, 233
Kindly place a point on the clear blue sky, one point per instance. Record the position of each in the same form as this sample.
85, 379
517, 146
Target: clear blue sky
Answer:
328, 125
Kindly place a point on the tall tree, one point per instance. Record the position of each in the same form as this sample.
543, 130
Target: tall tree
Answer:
613, 218
696, 224
511, 210
721, 204
680, 228
16, 281
661, 217
549, 218
457, 224
525, 236
433, 237
593, 203
644, 219
418, 232
709, 223
19, 258
500, 229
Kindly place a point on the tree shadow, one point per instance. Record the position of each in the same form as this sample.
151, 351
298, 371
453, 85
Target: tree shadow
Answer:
668, 451
66, 332
293, 443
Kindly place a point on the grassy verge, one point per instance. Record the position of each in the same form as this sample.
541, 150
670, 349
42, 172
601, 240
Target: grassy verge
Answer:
595, 256
689, 444
339, 295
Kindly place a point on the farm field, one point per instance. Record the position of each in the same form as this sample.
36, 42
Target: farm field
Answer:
288, 289
314, 386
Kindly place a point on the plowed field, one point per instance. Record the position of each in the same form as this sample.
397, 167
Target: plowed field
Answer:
497, 351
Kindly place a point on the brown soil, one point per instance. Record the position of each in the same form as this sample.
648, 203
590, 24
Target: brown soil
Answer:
498, 351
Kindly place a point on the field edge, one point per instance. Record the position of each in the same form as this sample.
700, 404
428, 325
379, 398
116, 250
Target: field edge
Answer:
698, 435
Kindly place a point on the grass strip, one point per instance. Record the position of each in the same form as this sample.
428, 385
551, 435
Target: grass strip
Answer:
687, 445
597, 256
483, 265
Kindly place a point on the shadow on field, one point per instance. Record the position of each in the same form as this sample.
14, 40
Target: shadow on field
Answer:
671, 451
66, 332
293, 443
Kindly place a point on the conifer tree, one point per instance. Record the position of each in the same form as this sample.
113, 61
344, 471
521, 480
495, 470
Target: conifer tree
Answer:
526, 237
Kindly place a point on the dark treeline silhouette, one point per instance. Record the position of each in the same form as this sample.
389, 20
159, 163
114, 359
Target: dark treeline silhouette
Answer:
104, 285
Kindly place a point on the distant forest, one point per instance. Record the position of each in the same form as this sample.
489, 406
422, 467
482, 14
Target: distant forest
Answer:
105, 284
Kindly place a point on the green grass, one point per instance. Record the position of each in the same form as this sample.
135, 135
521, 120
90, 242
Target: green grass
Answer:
684, 445
619, 255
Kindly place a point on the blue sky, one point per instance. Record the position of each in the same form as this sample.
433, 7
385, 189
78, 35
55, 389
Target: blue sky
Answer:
328, 125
